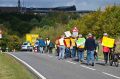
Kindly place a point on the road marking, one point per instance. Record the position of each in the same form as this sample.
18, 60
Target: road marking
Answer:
111, 75
50, 56
70, 62
87, 67
35, 71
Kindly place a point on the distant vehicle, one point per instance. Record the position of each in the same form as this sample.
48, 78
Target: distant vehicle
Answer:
26, 47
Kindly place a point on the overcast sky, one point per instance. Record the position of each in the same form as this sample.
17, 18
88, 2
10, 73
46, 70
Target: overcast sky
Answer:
80, 4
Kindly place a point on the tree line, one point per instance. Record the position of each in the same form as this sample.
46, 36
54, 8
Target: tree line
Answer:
52, 25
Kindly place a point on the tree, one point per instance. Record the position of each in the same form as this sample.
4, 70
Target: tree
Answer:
14, 42
34, 22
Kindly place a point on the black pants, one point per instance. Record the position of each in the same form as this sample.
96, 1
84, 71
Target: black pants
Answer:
95, 55
57, 51
106, 56
50, 50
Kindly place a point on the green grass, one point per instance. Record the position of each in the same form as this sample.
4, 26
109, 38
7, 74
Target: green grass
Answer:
12, 69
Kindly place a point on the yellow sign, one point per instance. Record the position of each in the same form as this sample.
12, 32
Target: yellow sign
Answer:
31, 38
108, 42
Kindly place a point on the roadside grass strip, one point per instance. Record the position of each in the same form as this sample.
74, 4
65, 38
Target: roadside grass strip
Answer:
30, 67
11, 69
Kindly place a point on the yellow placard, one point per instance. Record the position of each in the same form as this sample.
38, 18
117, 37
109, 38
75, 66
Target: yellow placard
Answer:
108, 42
31, 38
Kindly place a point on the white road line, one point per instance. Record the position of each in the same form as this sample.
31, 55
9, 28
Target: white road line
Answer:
50, 56
87, 67
35, 71
70, 62
111, 75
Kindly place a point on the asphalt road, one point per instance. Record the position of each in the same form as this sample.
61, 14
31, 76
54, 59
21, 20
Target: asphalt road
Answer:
51, 68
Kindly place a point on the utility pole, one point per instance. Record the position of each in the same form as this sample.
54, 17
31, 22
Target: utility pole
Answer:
19, 6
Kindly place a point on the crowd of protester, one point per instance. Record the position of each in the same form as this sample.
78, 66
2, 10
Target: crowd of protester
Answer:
70, 47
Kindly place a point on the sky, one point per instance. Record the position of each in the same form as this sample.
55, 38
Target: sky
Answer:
80, 4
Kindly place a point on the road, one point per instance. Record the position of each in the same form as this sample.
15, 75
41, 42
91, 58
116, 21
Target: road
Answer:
51, 68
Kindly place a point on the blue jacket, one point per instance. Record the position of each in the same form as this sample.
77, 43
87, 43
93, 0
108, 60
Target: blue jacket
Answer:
90, 44
42, 43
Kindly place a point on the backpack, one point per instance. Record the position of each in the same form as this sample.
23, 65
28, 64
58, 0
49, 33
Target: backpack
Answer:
51, 44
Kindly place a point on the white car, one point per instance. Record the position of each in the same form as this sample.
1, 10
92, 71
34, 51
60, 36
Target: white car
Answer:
26, 47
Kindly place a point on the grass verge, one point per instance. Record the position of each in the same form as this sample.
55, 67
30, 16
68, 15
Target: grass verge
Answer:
12, 69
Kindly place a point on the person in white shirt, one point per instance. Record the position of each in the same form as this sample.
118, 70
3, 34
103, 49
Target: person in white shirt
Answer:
47, 42
61, 47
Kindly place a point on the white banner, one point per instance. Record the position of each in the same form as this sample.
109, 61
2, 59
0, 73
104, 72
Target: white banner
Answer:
67, 33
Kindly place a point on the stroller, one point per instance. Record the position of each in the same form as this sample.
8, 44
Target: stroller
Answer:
114, 57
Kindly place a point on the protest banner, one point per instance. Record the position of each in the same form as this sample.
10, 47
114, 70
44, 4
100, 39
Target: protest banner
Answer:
80, 42
67, 33
108, 42
31, 38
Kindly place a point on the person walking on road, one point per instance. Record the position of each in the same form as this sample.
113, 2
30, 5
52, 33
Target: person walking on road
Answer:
73, 47
47, 42
61, 47
80, 46
67, 47
106, 50
57, 44
90, 47
51, 46
41, 44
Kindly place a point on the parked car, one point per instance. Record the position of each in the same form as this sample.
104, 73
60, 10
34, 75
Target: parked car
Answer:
26, 47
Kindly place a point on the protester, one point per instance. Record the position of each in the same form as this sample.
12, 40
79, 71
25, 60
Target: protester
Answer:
90, 47
51, 46
80, 45
57, 44
61, 47
67, 47
106, 50
41, 44
73, 47
47, 42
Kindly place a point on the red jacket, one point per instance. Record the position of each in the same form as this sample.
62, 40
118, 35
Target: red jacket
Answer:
106, 49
